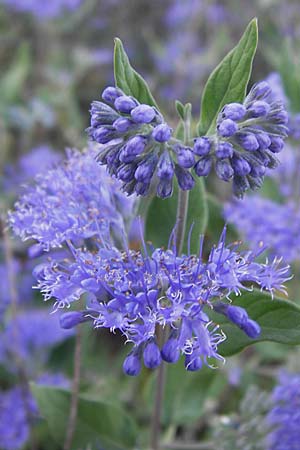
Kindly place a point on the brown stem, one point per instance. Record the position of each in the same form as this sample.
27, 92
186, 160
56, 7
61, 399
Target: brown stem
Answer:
13, 293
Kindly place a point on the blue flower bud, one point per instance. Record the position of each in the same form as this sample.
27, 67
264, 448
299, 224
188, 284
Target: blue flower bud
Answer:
259, 109
122, 124
224, 150
103, 135
227, 128
257, 170
132, 365
251, 328
165, 167
152, 356
192, 363
203, 166
102, 114
277, 144
255, 182
240, 165
185, 157
135, 146
71, 319
248, 141
202, 146
185, 179
145, 169
170, 351
126, 172
164, 188
240, 185
162, 132
260, 90
263, 140
143, 114
224, 170
237, 315
234, 111
279, 116
35, 250
110, 94
125, 104
142, 188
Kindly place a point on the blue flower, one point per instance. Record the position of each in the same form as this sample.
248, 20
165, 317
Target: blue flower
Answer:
248, 137
136, 292
263, 221
284, 417
74, 201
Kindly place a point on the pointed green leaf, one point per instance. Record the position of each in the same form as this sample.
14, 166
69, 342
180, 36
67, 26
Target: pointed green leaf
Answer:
228, 82
279, 320
98, 422
128, 79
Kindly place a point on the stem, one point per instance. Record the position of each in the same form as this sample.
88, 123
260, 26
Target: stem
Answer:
13, 293
183, 196
75, 391
158, 401
181, 218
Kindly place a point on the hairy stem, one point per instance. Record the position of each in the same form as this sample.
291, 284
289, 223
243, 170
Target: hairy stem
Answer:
13, 294
158, 400
183, 196
181, 218
75, 391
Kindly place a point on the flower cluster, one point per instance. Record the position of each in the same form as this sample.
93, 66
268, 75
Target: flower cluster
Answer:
138, 144
47, 10
284, 417
262, 220
38, 160
74, 201
137, 293
30, 336
17, 407
247, 138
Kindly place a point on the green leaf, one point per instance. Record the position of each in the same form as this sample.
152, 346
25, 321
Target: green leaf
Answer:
180, 109
186, 392
279, 320
98, 422
228, 82
128, 79
161, 217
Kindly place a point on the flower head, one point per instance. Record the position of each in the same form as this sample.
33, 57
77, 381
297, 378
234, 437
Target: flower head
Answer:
73, 201
248, 137
136, 292
138, 147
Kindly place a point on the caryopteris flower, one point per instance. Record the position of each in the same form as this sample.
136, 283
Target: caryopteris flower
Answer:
75, 201
260, 220
136, 293
284, 417
248, 137
138, 146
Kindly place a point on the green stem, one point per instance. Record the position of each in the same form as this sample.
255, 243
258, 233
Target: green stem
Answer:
183, 196
159, 394
181, 218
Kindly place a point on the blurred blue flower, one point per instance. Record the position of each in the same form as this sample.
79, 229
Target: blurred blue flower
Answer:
284, 417
75, 201
43, 10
